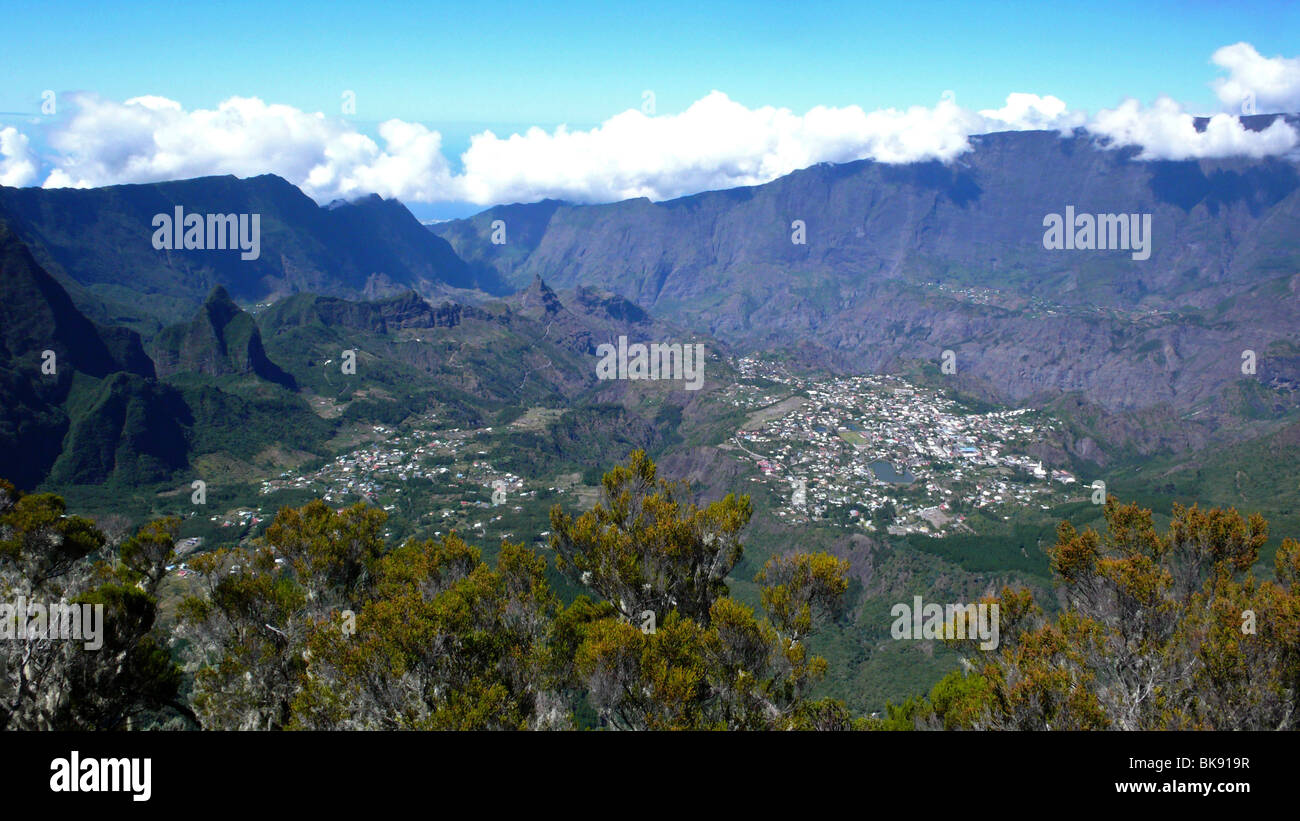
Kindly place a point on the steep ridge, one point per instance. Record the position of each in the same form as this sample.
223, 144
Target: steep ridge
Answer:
77, 400
221, 339
37, 314
99, 243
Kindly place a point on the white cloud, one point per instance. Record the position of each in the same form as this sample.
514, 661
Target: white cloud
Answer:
147, 139
715, 143
1032, 112
719, 143
1271, 83
1167, 132
17, 165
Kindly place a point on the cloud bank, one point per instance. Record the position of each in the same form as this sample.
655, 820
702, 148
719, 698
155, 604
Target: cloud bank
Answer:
147, 139
715, 143
1166, 132
17, 165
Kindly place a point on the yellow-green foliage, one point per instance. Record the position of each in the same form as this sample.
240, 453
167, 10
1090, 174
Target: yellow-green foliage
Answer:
1160, 631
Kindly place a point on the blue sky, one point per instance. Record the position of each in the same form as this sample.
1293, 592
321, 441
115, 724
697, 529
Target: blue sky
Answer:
464, 67
581, 62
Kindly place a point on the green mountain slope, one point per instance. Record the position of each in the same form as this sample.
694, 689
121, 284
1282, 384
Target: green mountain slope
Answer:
98, 243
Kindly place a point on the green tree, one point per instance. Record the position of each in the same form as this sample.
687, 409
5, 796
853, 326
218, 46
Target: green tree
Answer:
1159, 631
667, 648
55, 684
342, 634
644, 549
445, 643
250, 625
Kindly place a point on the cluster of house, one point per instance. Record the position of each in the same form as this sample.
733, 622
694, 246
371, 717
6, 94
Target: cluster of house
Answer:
379, 469
892, 455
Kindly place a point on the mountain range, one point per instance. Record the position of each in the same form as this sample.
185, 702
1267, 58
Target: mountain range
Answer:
899, 263
855, 267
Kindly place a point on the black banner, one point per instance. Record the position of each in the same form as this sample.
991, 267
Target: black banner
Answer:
230, 771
